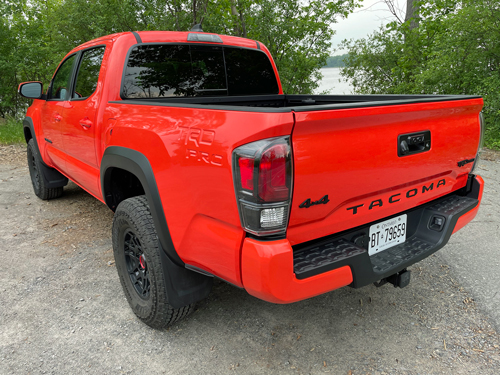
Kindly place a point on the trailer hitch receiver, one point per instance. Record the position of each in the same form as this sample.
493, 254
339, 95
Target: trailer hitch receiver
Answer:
400, 279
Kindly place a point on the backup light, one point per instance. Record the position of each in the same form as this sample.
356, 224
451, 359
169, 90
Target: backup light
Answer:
272, 217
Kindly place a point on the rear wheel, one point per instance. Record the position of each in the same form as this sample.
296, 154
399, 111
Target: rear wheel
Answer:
37, 180
137, 259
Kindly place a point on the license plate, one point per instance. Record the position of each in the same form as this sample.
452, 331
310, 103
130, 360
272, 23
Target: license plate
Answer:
387, 234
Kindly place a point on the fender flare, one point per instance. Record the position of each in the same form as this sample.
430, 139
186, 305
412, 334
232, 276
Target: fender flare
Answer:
52, 177
183, 285
28, 123
136, 163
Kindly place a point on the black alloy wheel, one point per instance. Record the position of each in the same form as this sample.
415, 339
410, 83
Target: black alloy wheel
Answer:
136, 264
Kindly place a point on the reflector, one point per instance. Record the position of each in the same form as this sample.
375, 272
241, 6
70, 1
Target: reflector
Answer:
246, 173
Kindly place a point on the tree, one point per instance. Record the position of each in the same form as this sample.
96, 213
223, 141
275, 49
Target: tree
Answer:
454, 50
412, 8
297, 33
36, 34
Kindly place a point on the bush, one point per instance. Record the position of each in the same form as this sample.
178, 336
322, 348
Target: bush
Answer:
11, 131
454, 50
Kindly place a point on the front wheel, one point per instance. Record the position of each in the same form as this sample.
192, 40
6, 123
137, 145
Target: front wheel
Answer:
36, 173
137, 259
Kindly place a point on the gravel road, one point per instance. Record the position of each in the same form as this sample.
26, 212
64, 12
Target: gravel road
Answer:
62, 310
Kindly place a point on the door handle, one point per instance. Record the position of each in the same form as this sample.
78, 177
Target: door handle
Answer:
57, 117
85, 122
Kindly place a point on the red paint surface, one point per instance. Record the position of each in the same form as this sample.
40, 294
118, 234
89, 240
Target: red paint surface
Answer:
267, 272
351, 155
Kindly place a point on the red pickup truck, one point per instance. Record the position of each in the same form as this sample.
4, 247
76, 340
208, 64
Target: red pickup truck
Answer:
212, 171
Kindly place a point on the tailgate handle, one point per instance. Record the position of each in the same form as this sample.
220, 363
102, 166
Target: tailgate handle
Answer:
414, 143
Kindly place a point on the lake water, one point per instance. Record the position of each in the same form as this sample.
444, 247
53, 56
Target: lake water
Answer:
333, 81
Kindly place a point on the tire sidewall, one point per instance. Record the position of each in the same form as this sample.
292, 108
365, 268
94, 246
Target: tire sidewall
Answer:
143, 308
32, 154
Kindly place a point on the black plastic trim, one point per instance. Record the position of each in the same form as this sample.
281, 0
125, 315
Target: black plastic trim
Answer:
137, 37
136, 163
198, 270
414, 148
183, 286
295, 103
266, 98
212, 107
52, 177
364, 101
364, 268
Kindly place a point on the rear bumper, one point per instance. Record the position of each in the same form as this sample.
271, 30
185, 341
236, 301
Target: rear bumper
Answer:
276, 272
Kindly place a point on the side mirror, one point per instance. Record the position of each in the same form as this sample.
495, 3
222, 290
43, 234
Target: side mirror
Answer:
31, 90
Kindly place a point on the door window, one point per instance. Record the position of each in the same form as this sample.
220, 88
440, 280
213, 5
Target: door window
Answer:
62, 80
88, 73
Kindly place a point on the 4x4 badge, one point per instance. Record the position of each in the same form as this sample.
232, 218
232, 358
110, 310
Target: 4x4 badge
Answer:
307, 203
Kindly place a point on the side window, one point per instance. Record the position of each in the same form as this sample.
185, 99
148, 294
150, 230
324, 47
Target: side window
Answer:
88, 73
62, 80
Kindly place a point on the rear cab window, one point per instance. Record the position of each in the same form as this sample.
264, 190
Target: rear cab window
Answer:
191, 70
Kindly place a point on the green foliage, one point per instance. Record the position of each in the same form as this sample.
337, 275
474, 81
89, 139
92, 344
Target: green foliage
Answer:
454, 50
36, 34
336, 61
11, 131
297, 33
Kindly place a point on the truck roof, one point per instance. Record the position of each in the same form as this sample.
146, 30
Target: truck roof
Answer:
171, 37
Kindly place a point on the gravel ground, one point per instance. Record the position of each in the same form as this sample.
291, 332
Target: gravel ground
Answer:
62, 309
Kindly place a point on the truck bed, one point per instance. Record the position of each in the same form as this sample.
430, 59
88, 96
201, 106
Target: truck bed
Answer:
296, 103
346, 147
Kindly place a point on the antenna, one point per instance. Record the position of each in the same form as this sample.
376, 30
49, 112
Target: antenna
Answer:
197, 27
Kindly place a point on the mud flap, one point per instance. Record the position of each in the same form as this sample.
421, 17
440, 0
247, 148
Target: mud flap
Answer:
183, 286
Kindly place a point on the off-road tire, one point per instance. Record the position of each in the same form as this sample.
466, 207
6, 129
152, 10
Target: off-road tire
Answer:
37, 180
133, 218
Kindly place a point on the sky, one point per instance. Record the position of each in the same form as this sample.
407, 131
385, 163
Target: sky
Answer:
364, 21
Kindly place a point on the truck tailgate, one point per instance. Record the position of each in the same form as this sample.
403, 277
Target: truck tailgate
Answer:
351, 156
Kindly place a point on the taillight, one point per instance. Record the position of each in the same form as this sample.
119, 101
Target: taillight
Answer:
482, 127
272, 174
263, 181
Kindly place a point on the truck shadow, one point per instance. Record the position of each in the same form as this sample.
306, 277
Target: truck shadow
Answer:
347, 329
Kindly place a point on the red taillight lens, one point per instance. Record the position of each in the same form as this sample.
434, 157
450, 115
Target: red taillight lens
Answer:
246, 173
272, 174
